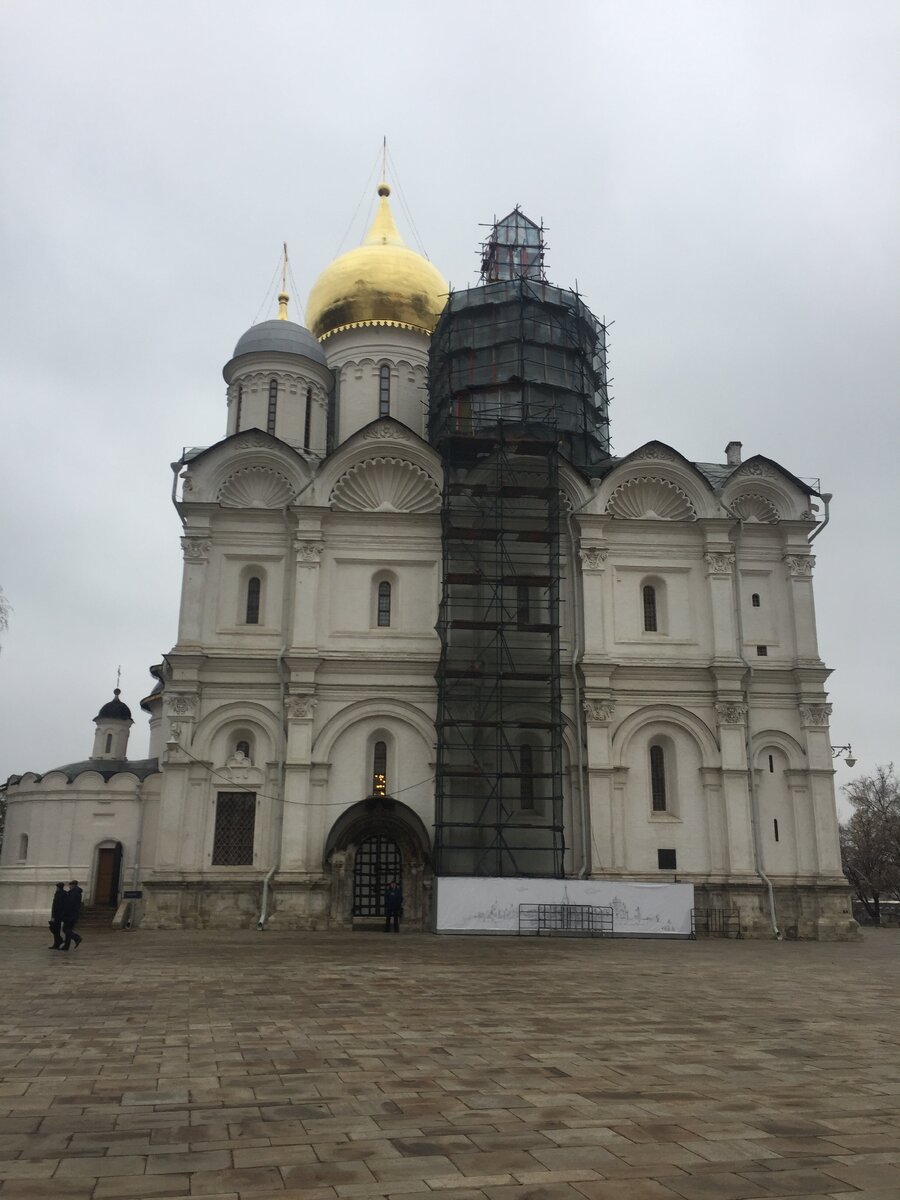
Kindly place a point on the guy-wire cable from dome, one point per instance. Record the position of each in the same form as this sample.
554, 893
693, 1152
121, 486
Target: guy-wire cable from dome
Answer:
281, 800
266, 298
402, 198
367, 192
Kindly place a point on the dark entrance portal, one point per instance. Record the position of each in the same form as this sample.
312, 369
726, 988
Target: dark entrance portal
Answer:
109, 866
377, 862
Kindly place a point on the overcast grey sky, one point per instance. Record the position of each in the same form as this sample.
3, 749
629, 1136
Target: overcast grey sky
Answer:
721, 179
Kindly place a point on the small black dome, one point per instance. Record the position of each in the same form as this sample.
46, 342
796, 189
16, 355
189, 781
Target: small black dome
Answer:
115, 710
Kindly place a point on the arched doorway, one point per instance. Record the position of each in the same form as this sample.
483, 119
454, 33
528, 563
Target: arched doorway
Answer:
106, 879
375, 841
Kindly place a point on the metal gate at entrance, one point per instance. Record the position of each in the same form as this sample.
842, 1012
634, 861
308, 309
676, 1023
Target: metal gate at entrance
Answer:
377, 862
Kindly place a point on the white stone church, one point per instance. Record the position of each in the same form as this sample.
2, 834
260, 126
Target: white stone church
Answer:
606, 668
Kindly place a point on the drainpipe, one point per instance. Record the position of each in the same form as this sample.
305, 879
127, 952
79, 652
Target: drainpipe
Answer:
287, 608
577, 647
826, 500
748, 741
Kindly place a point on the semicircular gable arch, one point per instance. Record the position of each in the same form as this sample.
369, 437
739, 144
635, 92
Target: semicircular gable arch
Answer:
364, 710
656, 476
382, 438
665, 714
250, 451
250, 713
789, 746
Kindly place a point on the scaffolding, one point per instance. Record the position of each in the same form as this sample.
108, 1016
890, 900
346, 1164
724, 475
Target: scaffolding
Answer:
517, 376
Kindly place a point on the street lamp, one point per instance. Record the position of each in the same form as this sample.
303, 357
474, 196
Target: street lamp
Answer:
845, 752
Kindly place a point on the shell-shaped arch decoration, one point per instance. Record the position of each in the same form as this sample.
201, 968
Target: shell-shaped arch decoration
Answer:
255, 487
754, 507
386, 485
651, 498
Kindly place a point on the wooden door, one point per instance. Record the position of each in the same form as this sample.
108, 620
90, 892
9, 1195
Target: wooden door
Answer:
106, 889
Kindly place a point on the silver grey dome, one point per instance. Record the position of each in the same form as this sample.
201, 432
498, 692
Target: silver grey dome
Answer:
283, 337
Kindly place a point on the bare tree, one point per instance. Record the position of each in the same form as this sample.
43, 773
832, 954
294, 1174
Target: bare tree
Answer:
870, 840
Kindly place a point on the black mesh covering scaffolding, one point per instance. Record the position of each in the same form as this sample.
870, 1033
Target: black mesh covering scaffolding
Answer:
516, 374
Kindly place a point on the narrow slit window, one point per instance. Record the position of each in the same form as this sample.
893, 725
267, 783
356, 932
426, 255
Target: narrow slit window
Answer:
23, 847
523, 605
526, 777
384, 391
658, 778
254, 589
384, 604
754, 599
307, 423
238, 407
108, 743
650, 618
775, 823
771, 765
379, 769
273, 406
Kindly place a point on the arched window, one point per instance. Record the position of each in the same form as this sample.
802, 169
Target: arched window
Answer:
526, 777
237, 410
384, 603
379, 769
273, 406
658, 779
108, 743
648, 596
384, 391
307, 423
23, 847
754, 599
243, 747
254, 588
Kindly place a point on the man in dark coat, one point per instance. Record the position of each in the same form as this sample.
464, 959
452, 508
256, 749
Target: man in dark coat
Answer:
56, 912
393, 906
70, 915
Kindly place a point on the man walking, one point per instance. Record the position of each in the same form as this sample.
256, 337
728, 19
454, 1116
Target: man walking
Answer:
56, 914
71, 913
393, 906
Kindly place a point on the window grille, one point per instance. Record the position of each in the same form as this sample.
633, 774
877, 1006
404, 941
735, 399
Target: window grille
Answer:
253, 593
377, 862
650, 619
762, 651
379, 770
235, 823
307, 424
243, 748
658, 778
273, 406
754, 599
384, 603
384, 391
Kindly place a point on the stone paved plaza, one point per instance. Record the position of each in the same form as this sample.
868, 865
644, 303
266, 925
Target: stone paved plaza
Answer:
316, 1066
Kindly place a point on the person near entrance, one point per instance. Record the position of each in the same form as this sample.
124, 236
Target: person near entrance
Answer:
393, 906
70, 914
56, 915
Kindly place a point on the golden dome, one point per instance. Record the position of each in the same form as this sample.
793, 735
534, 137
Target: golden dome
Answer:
381, 282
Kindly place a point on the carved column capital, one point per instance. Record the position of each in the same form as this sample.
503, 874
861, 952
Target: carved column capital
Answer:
599, 711
729, 713
718, 563
800, 566
301, 708
196, 549
815, 716
309, 551
593, 557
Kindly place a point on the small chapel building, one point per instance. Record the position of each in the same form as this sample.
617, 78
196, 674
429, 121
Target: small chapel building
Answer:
430, 625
